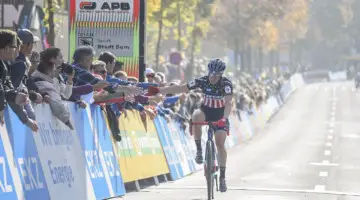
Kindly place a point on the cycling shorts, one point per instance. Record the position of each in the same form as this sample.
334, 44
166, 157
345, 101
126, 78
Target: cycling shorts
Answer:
215, 114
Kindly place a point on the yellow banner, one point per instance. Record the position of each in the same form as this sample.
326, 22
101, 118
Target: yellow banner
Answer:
140, 153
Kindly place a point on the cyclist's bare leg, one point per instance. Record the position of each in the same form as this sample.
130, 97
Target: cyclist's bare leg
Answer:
198, 116
220, 137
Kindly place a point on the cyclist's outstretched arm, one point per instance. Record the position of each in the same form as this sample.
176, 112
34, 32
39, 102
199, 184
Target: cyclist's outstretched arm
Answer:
175, 89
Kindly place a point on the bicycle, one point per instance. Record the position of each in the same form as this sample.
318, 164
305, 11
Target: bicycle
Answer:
210, 168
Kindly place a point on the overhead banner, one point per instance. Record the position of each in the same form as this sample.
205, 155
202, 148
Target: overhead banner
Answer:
107, 26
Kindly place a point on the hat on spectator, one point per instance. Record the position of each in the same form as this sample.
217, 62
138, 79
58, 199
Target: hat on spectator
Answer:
149, 71
26, 36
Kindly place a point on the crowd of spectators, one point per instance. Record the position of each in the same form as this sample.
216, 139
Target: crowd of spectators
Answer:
29, 78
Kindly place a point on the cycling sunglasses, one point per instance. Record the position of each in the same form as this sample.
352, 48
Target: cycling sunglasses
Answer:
216, 73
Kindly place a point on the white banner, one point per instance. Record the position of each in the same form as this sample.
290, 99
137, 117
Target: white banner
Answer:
61, 158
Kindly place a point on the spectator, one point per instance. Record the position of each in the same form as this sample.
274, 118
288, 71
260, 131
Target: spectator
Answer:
162, 77
133, 79
22, 62
18, 69
44, 79
8, 45
150, 74
21, 65
99, 69
35, 60
122, 75
118, 66
83, 57
109, 59
54, 55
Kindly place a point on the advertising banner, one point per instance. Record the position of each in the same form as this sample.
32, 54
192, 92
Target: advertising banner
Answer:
26, 158
61, 157
188, 146
167, 143
140, 152
108, 26
106, 151
190, 142
98, 162
8, 190
176, 136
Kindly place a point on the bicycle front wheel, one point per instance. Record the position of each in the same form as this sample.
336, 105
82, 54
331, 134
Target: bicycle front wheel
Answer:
209, 167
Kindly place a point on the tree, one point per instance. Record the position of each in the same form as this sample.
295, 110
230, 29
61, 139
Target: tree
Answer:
328, 36
244, 24
52, 7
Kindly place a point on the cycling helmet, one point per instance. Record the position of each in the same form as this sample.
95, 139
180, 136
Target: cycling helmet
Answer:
216, 66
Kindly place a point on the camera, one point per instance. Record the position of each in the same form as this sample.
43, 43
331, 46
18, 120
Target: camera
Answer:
66, 68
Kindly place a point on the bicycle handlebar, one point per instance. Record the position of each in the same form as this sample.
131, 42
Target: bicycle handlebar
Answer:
217, 123
206, 123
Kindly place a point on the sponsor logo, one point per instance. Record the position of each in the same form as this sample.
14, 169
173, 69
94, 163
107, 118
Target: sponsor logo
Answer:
87, 5
113, 6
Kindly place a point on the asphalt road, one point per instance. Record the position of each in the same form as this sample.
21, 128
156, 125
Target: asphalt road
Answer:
309, 150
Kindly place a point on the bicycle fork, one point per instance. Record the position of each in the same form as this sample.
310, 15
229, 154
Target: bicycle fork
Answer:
215, 168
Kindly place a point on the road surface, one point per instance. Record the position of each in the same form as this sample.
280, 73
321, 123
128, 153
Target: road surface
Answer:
310, 150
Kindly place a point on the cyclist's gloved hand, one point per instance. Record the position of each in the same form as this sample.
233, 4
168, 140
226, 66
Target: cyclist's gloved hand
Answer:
153, 90
222, 122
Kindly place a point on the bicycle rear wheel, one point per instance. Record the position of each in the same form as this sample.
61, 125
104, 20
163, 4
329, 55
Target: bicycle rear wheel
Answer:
209, 167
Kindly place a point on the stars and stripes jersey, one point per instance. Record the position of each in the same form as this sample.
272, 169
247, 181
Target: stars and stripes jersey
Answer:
214, 94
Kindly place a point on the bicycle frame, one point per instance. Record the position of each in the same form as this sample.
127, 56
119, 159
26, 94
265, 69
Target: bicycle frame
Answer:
210, 168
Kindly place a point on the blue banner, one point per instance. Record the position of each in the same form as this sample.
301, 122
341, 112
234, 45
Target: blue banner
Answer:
190, 156
7, 188
84, 131
168, 147
26, 157
102, 135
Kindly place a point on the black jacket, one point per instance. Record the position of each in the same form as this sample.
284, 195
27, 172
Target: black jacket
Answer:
7, 91
18, 75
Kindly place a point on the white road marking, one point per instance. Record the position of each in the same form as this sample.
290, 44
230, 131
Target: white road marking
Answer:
328, 144
331, 124
330, 137
319, 188
351, 136
332, 119
327, 152
331, 130
172, 187
323, 174
325, 164
332, 113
